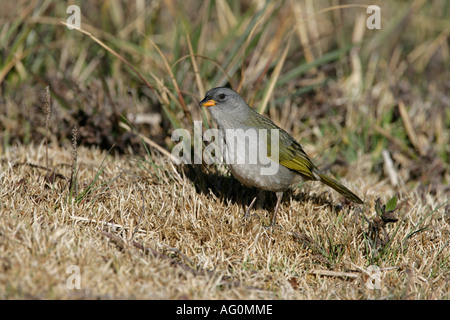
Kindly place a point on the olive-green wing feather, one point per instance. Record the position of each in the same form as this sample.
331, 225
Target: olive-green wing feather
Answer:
292, 156
290, 152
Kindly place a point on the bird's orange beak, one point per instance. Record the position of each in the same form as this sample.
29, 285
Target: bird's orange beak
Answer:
208, 103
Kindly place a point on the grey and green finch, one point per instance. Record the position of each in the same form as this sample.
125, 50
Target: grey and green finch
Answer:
232, 113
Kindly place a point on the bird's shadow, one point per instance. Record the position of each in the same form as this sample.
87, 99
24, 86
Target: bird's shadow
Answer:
207, 180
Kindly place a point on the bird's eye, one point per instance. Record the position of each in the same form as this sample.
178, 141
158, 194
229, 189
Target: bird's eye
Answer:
221, 96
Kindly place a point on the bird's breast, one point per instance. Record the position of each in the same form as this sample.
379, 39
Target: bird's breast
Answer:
245, 152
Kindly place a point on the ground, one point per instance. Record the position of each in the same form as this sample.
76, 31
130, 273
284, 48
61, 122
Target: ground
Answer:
93, 207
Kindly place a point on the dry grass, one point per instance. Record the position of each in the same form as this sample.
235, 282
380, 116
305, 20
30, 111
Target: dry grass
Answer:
369, 106
150, 234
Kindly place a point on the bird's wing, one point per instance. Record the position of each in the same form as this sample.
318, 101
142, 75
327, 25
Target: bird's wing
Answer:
290, 152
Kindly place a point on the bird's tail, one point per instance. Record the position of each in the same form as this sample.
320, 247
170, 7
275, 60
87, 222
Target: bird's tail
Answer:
340, 188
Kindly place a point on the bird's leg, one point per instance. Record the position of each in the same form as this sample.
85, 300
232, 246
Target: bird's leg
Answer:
274, 218
247, 212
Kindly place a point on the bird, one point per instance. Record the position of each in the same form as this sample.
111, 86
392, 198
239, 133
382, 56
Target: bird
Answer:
238, 125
